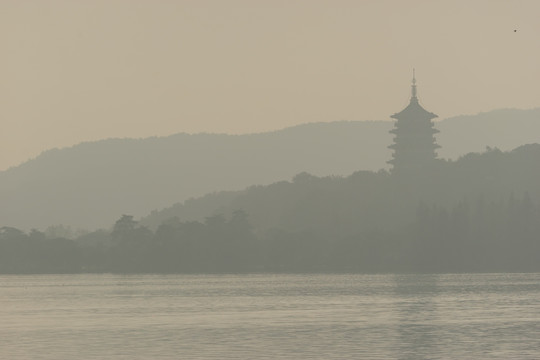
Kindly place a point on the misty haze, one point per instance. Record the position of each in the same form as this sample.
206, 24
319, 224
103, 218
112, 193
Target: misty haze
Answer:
306, 180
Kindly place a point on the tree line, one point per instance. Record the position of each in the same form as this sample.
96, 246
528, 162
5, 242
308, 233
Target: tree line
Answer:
480, 237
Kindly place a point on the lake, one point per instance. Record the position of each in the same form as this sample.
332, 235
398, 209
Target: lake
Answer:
265, 316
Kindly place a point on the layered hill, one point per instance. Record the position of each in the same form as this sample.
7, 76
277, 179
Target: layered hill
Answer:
372, 200
91, 184
480, 213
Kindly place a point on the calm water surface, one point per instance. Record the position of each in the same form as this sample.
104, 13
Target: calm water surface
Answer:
466, 316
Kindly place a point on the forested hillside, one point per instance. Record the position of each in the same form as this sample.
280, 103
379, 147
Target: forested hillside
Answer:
479, 213
374, 200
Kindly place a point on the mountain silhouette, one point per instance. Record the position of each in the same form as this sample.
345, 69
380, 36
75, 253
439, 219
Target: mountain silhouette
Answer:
91, 183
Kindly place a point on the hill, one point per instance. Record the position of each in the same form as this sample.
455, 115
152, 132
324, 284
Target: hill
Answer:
367, 199
480, 213
89, 184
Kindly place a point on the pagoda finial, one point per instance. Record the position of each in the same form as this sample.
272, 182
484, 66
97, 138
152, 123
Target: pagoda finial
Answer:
413, 90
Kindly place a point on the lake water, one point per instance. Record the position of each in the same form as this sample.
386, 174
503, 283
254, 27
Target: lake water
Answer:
465, 316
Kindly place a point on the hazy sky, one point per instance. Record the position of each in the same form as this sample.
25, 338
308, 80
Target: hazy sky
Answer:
76, 70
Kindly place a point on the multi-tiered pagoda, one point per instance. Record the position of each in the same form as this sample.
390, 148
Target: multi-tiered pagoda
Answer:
414, 142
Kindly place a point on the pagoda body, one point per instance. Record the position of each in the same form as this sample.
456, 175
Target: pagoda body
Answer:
414, 142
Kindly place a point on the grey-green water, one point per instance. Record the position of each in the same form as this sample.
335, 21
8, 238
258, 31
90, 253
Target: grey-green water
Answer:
466, 316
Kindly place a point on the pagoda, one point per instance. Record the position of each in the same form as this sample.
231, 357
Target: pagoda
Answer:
414, 142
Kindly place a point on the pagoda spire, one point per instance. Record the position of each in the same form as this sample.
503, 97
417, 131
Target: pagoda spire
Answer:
413, 87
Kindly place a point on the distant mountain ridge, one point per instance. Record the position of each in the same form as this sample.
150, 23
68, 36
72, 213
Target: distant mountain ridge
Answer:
91, 184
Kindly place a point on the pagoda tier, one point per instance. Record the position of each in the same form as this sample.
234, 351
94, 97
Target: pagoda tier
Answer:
414, 142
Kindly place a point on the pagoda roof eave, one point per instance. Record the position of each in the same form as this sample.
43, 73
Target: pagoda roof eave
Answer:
414, 109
